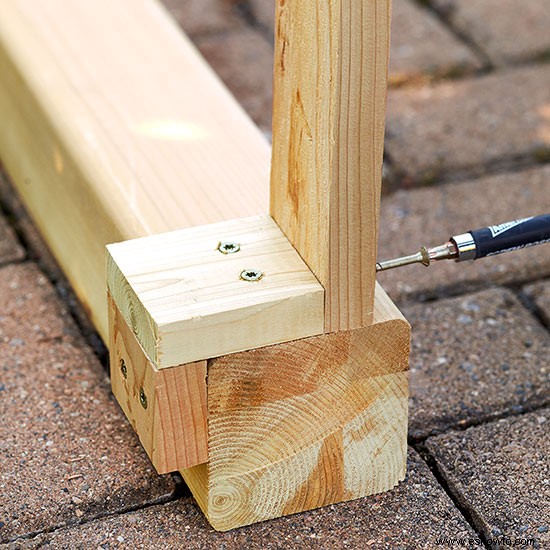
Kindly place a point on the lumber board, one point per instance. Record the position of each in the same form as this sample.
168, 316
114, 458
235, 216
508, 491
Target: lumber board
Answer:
167, 408
303, 424
329, 100
186, 301
114, 127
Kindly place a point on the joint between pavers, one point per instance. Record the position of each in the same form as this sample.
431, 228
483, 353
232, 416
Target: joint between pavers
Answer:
470, 516
529, 303
462, 37
60, 527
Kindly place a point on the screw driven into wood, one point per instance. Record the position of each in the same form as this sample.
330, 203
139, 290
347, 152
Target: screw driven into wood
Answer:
123, 368
229, 248
142, 398
251, 275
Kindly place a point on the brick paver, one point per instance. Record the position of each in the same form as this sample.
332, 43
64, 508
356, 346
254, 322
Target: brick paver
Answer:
10, 249
500, 471
242, 56
263, 12
506, 30
429, 216
67, 453
244, 61
474, 357
413, 515
200, 17
38, 252
36, 249
540, 294
461, 127
422, 48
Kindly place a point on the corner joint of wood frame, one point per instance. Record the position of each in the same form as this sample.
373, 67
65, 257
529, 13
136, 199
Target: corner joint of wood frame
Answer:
213, 290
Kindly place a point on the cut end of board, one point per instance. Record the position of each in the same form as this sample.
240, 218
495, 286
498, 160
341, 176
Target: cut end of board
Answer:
309, 423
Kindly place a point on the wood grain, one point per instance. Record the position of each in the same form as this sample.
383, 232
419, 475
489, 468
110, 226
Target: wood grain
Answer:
114, 128
186, 301
331, 62
307, 423
166, 408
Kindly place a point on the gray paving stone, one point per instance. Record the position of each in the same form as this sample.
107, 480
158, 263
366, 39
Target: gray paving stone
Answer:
500, 473
67, 453
422, 48
461, 127
244, 61
10, 249
414, 515
507, 30
200, 17
475, 357
264, 13
429, 216
540, 294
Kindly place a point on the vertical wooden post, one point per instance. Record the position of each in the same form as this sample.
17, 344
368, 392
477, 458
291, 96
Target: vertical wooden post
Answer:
331, 59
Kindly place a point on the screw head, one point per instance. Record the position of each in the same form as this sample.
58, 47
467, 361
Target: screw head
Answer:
251, 275
123, 369
229, 247
142, 398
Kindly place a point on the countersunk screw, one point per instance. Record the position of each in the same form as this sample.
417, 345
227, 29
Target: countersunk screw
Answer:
229, 248
123, 368
142, 398
251, 275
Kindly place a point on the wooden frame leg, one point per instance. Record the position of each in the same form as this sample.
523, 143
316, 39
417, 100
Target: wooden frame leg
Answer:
299, 425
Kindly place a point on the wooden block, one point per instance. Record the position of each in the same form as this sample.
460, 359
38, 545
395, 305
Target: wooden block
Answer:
167, 408
114, 127
307, 423
186, 301
329, 100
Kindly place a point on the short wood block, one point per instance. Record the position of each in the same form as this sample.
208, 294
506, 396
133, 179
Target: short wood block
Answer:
302, 424
186, 302
167, 408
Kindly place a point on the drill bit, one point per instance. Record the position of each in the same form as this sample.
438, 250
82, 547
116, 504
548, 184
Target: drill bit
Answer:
425, 257
480, 243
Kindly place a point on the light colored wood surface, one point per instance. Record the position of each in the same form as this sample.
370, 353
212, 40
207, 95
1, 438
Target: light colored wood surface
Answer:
307, 423
384, 308
166, 408
186, 301
331, 62
113, 127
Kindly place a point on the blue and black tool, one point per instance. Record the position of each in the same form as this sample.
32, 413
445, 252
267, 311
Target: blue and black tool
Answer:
480, 243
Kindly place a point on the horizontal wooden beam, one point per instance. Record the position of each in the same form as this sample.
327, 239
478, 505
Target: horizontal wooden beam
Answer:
114, 128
